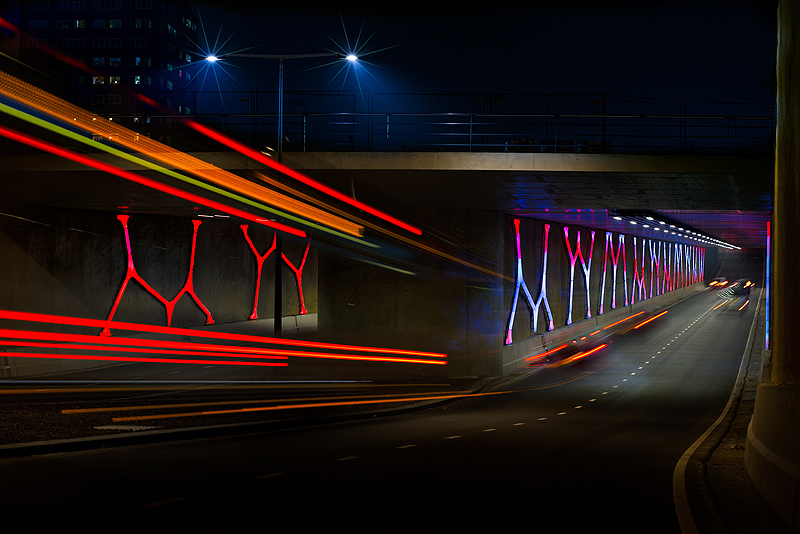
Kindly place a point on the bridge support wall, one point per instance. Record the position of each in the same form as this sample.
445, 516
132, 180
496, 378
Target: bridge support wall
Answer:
772, 453
75, 264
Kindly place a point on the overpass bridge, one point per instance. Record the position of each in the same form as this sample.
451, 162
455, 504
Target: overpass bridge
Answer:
449, 290
516, 252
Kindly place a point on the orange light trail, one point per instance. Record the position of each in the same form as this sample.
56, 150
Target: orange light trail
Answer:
406, 356
743, 305
75, 116
542, 355
99, 165
650, 319
579, 356
299, 406
108, 409
288, 171
623, 320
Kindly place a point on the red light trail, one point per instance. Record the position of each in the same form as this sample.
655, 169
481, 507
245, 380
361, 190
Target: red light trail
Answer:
153, 184
288, 171
374, 353
542, 355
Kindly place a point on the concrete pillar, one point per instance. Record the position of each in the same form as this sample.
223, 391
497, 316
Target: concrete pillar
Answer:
772, 453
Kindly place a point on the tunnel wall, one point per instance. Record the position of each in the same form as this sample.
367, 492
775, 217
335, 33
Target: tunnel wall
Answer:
473, 315
74, 263
592, 278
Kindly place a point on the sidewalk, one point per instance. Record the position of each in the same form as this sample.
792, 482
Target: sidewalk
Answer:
722, 496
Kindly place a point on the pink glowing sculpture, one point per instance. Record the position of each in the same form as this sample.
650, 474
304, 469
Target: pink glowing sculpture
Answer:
520, 281
614, 261
638, 276
655, 260
666, 269
585, 266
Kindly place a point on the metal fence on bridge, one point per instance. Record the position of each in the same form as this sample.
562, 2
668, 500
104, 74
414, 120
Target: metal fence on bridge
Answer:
578, 123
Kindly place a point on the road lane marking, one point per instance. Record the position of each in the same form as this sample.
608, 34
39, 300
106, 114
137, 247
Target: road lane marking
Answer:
406, 446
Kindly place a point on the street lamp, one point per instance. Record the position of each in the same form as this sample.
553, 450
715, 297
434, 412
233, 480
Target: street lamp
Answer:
281, 57
278, 314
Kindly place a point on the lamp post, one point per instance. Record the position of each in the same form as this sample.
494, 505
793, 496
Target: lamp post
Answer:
278, 314
281, 58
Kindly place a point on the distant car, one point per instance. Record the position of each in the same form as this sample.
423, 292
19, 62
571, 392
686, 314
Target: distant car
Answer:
718, 283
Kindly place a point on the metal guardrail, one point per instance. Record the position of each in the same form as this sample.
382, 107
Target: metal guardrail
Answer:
397, 122
478, 132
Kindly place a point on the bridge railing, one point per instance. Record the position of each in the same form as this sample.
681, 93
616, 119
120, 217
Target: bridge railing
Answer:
480, 132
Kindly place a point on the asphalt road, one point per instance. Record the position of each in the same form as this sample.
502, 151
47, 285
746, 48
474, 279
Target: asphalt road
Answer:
585, 445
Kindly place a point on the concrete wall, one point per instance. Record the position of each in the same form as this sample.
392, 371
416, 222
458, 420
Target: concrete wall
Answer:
434, 304
449, 306
453, 294
73, 263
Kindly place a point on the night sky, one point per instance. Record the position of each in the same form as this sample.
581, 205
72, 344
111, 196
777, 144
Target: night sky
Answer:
720, 51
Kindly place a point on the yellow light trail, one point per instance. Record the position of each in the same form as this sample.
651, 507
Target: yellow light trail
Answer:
169, 172
75, 116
